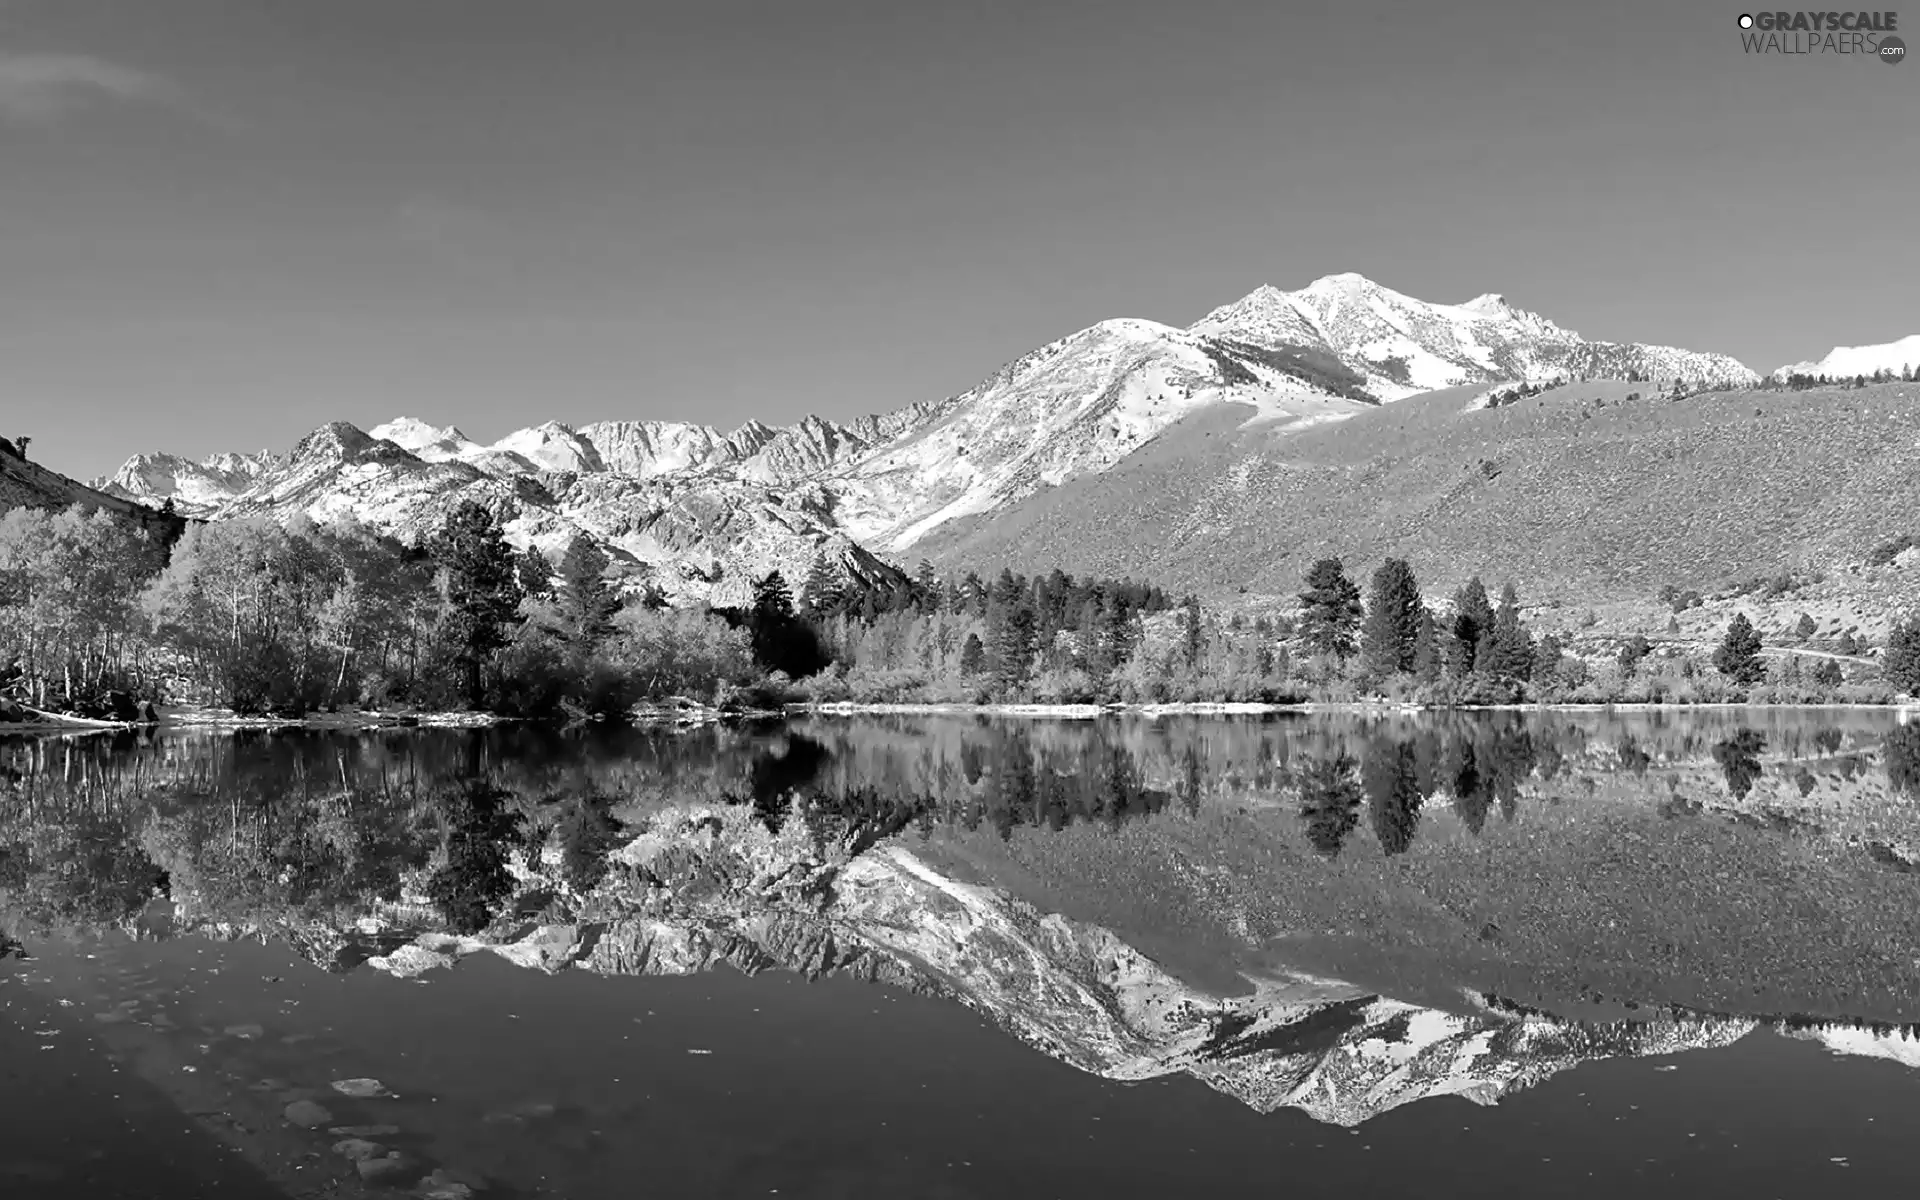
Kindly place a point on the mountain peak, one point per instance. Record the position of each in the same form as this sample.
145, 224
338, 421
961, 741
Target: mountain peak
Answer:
336, 440
1492, 304
1346, 280
431, 442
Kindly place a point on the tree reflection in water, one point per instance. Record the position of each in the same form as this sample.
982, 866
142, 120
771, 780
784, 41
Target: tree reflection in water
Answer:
289, 827
1739, 759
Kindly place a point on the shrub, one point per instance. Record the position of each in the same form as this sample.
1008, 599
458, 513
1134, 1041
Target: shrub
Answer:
1887, 551
1635, 649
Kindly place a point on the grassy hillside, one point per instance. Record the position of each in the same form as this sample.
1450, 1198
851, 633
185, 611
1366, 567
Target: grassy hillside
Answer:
26, 484
1578, 494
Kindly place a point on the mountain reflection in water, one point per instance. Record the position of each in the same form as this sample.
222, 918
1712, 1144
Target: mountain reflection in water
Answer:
1510, 871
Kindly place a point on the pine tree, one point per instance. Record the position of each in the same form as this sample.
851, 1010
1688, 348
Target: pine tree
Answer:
973, 655
586, 601
1470, 645
1903, 656
1827, 673
1118, 635
1192, 635
1511, 655
822, 595
1426, 649
1738, 657
780, 641
1013, 640
1805, 627
1391, 639
1632, 652
536, 574
971, 596
483, 595
1546, 661
1330, 609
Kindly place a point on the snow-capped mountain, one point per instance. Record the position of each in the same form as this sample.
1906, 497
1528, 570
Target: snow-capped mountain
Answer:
1845, 362
692, 499
1072, 407
1404, 346
196, 488
694, 538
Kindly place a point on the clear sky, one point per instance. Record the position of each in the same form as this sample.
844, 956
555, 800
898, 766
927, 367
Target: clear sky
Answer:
223, 222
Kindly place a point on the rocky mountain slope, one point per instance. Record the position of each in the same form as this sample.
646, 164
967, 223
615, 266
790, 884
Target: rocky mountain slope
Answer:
1586, 492
699, 505
196, 488
693, 537
1846, 362
27, 484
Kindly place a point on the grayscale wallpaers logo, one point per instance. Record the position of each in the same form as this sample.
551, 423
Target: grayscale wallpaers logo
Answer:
1849, 33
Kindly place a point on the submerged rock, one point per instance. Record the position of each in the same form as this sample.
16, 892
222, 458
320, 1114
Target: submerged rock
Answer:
388, 1170
359, 1149
361, 1089
307, 1114
442, 1186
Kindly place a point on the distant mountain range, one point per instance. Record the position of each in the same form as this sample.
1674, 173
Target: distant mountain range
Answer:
701, 510
1846, 362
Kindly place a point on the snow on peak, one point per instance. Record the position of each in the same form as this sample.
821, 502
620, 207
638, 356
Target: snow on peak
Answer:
432, 443
554, 447
1402, 345
1846, 361
1345, 281
1133, 328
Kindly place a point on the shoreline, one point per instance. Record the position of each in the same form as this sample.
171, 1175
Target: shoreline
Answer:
1250, 708
177, 719
216, 721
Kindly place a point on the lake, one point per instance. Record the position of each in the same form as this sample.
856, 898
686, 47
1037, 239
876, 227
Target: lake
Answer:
957, 956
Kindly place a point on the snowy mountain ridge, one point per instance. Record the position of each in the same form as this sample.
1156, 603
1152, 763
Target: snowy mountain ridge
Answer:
686, 500
1844, 362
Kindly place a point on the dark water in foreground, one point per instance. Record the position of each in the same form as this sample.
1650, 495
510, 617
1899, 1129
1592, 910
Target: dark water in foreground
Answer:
1683, 956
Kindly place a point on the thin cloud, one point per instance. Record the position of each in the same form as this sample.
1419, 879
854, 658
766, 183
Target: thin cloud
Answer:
44, 87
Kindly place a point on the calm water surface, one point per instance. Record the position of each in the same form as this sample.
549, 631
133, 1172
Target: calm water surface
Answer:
1565, 954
